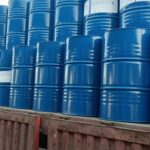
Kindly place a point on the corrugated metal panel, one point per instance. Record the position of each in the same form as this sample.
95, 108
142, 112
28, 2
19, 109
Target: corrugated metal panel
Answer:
80, 135
19, 131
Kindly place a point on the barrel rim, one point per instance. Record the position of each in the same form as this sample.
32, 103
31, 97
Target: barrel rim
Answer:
83, 36
124, 88
21, 86
23, 46
104, 14
4, 6
5, 85
130, 59
125, 29
5, 68
49, 42
32, 12
66, 3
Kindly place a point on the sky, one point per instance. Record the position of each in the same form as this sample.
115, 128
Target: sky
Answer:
3, 2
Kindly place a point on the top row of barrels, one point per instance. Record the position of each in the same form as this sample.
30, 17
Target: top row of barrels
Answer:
32, 21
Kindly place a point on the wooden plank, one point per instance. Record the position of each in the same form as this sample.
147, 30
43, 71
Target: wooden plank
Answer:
136, 147
78, 142
8, 135
104, 144
15, 136
2, 134
19, 131
66, 141
90, 142
91, 130
53, 139
46, 118
139, 137
119, 145
23, 135
110, 138
18, 117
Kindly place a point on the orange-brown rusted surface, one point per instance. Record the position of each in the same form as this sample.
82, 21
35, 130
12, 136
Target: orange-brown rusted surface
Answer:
81, 135
19, 131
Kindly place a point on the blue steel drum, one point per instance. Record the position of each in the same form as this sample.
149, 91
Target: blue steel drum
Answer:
68, 19
125, 85
49, 77
41, 21
17, 23
3, 25
5, 76
100, 16
135, 15
81, 91
21, 91
98, 24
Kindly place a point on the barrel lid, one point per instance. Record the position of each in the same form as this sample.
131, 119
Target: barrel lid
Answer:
126, 29
83, 36
103, 15
50, 42
3, 8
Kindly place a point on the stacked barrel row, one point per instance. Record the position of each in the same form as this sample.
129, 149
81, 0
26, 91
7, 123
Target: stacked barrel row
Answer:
82, 64
5, 59
125, 83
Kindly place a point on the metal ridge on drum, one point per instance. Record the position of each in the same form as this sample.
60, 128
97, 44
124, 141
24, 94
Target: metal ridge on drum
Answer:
125, 85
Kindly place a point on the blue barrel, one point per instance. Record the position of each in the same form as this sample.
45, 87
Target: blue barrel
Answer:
125, 85
5, 77
135, 15
81, 91
41, 21
100, 16
3, 25
49, 77
68, 19
17, 23
21, 91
